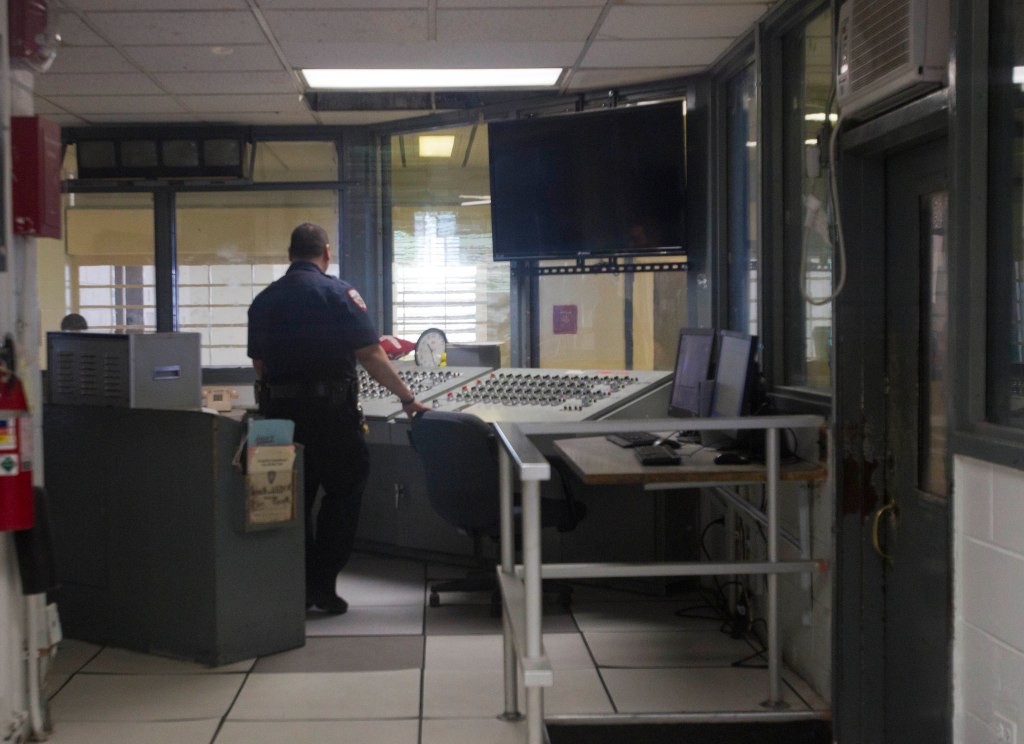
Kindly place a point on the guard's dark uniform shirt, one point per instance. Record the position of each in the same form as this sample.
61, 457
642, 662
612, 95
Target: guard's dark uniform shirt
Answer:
306, 326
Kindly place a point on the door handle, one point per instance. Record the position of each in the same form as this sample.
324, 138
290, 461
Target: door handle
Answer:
888, 508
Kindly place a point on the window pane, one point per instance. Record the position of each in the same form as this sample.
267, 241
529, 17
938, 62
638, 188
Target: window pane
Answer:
1005, 357
807, 237
442, 272
743, 193
231, 246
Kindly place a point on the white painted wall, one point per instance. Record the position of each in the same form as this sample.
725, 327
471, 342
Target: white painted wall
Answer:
989, 600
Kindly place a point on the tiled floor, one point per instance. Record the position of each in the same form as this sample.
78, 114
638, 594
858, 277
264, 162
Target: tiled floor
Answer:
395, 671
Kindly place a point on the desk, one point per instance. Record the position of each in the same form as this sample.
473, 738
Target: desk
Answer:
599, 461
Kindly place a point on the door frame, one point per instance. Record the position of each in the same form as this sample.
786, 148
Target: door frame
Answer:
859, 409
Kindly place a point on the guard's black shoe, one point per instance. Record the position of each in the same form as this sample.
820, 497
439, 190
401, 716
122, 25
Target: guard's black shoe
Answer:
331, 603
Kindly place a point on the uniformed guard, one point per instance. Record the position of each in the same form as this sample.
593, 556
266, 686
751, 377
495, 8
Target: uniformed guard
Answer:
306, 331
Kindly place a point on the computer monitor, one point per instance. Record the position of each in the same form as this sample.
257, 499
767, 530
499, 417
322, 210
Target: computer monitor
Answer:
691, 384
735, 379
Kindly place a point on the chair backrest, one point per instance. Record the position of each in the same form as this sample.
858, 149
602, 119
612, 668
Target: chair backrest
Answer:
459, 453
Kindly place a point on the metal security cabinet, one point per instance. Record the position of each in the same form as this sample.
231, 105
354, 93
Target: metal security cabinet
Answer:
148, 519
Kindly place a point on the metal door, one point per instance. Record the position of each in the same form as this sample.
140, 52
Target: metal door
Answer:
911, 532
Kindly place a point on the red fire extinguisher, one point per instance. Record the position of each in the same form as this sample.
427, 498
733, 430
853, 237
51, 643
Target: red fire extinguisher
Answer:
17, 510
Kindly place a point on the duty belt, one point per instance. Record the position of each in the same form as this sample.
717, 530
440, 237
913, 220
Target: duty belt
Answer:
327, 389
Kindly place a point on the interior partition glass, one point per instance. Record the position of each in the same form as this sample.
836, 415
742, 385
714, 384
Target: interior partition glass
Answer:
1005, 357
807, 236
742, 184
230, 245
443, 275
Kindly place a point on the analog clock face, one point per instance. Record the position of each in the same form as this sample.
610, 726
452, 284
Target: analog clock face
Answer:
430, 348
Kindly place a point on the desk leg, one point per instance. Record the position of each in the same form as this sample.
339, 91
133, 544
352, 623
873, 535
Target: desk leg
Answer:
774, 651
511, 712
533, 599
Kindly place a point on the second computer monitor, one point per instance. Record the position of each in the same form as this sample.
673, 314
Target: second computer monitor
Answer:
735, 377
691, 386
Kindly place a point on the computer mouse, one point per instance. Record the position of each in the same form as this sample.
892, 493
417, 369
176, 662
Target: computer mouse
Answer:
732, 458
672, 443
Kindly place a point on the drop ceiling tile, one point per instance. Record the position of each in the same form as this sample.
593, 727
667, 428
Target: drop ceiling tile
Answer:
225, 83
89, 59
200, 27
432, 54
665, 53
553, 24
241, 58
318, 26
517, 3
242, 103
124, 83
74, 32
679, 21
341, 4
87, 105
150, 5
66, 120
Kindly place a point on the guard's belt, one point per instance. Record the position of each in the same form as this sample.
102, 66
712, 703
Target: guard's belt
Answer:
326, 389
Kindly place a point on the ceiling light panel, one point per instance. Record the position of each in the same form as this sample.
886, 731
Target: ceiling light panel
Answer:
431, 79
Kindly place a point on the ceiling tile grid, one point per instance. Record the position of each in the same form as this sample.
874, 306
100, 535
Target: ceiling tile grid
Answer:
236, 61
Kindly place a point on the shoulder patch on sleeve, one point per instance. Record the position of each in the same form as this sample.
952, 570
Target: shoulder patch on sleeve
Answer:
354, 296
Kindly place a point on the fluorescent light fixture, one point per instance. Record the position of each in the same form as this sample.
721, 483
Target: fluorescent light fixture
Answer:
751, 144
436, 145
821, 117
1018, 75
812, 142
436, 79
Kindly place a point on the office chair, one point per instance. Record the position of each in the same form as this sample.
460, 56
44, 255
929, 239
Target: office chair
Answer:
459, 453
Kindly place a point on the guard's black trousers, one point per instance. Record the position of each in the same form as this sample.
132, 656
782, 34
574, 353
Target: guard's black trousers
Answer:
336, 458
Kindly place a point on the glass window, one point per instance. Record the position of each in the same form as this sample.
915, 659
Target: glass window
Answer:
807, 235
109, 261
230, 246
442, 273
742, 183
1005, 368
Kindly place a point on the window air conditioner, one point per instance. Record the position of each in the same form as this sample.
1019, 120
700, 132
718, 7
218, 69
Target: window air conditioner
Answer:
890, 51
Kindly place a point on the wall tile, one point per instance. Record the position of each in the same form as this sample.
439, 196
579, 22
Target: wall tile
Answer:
973, 495
993, 592
1008, 508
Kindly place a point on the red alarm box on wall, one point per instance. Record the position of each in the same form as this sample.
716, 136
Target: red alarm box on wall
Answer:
35, 176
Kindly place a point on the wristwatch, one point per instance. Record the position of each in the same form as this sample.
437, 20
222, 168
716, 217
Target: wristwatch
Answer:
407, 401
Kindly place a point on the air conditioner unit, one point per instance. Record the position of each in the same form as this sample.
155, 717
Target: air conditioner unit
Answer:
890, 51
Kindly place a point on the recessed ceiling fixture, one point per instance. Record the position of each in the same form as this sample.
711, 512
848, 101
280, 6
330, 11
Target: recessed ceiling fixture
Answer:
436, 79
222, 51
820, 116
436, 145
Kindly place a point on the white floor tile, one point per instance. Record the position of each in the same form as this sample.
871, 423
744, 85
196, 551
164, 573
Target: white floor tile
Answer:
481, 694
101, 697
72, 655
120, 661
636, 616
107, 732
477, 693
361, 621
328, 695
322, 732
473, 731
463, 652
691, 690
666, 648
576, 691
370, 580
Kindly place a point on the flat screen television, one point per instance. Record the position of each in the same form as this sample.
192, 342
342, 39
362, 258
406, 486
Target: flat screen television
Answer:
588, 184
735, 381
691, 377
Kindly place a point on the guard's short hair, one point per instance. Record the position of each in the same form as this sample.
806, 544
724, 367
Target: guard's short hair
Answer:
73, 322
308, 242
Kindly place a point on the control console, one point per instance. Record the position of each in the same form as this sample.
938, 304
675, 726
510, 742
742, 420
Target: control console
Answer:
542, 395
425, 382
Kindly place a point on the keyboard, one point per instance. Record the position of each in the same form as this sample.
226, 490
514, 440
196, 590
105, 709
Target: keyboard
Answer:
633, 439
657, 455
